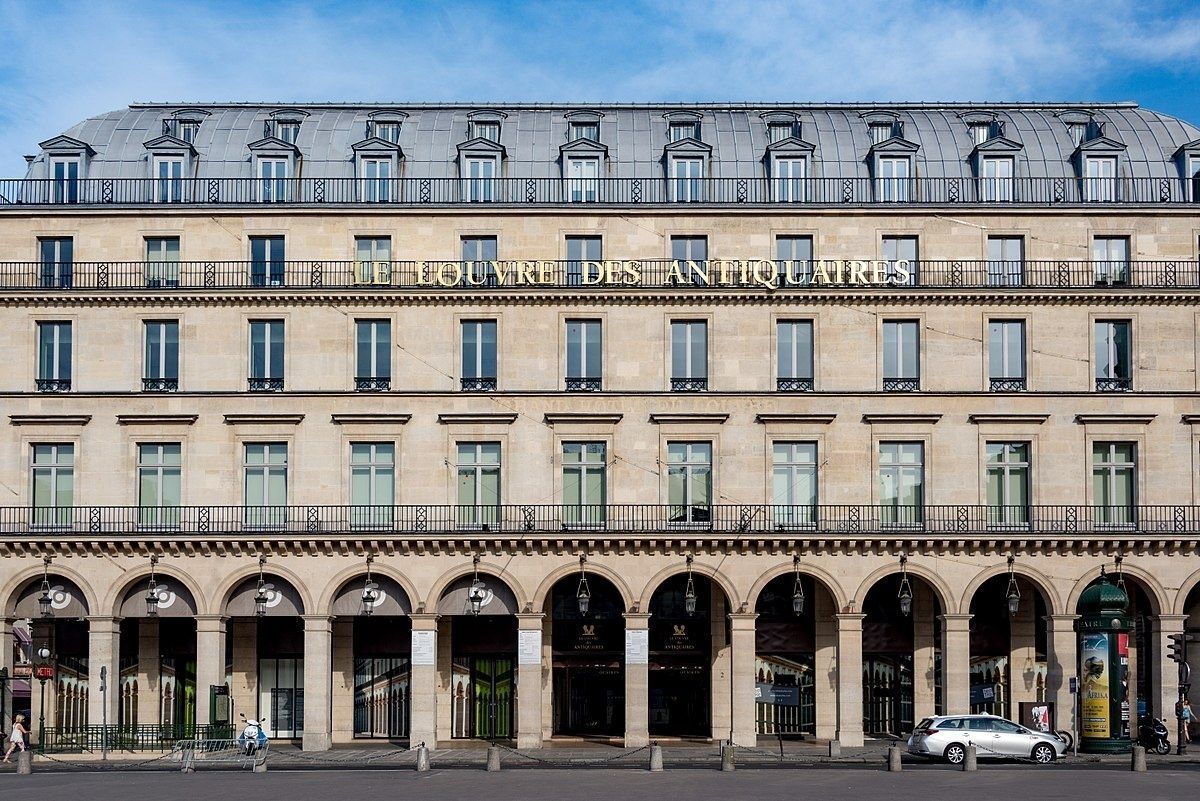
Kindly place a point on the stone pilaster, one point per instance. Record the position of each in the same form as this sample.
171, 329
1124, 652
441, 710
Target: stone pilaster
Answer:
318, 641
210, 662
745, 729
637, 679
956, 664
149, 673
529, 680
423, 720
849, 674
104, 646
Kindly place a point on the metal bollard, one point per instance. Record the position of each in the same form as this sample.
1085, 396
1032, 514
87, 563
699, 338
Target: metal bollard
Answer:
835, 749
969, 761
727, 757
1137, 762
24, 762
656, 763
493, 758
422, 758
893, 759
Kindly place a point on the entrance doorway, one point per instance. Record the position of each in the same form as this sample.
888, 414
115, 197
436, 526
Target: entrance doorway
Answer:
681, 656
484, 695
588, 648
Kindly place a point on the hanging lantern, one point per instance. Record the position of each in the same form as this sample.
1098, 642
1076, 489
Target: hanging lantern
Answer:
797, 589
476, 594
260, 595
905, 595
583, 594
45, 602
1013, 596
152, 591
689, 592
370, 593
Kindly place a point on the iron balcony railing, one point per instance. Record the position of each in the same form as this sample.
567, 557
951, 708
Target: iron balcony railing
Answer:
701, 276
516, 191
649, 519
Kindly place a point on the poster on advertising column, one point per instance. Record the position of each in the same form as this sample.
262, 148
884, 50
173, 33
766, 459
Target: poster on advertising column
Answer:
1094, 703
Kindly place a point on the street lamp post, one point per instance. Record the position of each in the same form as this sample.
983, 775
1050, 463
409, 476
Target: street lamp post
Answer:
43, 673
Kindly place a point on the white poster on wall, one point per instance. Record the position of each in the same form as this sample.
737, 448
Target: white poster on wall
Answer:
637, 647
424, 648
529, 647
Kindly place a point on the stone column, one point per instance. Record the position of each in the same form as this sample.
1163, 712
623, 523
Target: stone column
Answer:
318, 668
825, 684
721, 668
745, 728
243, 690
423, 683
1022, 655
1061, 664
547, 691
637, 679
149, 679
104, 646
924, 668
849, 679
210, 661
529, 680
1164, 680
342, 697
956, 664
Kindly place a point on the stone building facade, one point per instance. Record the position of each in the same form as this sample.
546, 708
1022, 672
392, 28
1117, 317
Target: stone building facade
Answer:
433, 422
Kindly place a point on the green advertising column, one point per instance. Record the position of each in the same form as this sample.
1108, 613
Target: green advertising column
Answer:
1104, 629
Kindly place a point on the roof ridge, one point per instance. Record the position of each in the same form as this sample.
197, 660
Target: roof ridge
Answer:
528, 105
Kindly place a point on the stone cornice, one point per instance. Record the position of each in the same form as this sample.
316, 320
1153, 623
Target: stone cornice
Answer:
915, 418
675, 418
1190, 419
1114, 419
477, 418
582, 418
49, 419
263, 419
370, 419
794, 419
1008, 419
157, 419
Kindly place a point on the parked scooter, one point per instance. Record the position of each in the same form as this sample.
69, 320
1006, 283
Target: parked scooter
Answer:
252, 739
1152, 735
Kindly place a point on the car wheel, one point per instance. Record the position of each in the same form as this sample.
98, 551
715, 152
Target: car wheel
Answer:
955, 754
1163, 747
1043, 754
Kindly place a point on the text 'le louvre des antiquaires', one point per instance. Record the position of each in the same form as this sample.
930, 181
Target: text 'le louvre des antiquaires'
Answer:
763, 273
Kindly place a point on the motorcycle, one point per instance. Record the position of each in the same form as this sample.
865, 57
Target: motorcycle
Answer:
1152, 735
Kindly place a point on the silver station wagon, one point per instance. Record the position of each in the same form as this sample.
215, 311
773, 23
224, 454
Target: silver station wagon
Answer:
947, 737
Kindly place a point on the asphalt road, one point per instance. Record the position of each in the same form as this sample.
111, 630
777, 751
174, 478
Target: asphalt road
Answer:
827, 784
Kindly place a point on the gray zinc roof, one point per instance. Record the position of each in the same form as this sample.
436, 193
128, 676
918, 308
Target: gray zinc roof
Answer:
634, 136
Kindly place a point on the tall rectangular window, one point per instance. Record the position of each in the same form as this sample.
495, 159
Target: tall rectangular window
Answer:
162, 261
584, 481
788, 174
1008, 483
1114, 356
1006, 356
1114, 482
1110, 259
267, 263
54, 357
478, 260
794, 259
159, 484
687, 179
479, 184
794, 483
265, 479
996, 179
478, 356
372, 355
1100, 179
376, 180
57, 261
168, 178
892, 185
583, 179
160, 362
273, 180
1006, 260
690, 254
901, 356
53, 491
266, 355
902, 483
64, 178
689, 355
372, 483
794, 364
579, 250
689, 482
584, 356
373, 259
478, 471
902, 248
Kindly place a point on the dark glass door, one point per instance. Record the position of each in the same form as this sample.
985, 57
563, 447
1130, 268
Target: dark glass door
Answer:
888, 694
492, 696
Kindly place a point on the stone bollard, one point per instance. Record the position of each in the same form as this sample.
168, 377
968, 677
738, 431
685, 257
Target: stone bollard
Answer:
835, 749
1137, 762
260, 764
656, 763
727, 757
493, 758
422, 758
893, 759
188, 759
969, 762
24, 762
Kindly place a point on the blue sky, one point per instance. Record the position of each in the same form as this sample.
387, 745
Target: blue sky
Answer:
63, 61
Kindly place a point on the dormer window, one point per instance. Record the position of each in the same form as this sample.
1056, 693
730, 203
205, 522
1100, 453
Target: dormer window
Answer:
981, 132
182, 129
1076, 131
587, 130
64, 175
778, 131
387, 130
287, 130
883, 131
689, 129
485, 129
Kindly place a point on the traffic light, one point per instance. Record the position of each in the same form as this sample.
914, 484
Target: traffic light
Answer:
1178, 647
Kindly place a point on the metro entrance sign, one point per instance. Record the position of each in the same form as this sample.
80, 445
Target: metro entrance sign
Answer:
43, 672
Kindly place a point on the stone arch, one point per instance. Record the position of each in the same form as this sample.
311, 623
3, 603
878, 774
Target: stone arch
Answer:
329, 594
1036, 577
1145, 579
18, 582
221, 596
495, 571
112, 601
699, 569
555, 576
941, 589
1185, 589
821, 576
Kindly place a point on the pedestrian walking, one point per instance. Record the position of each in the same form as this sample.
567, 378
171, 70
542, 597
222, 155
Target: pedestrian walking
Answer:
17, 738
